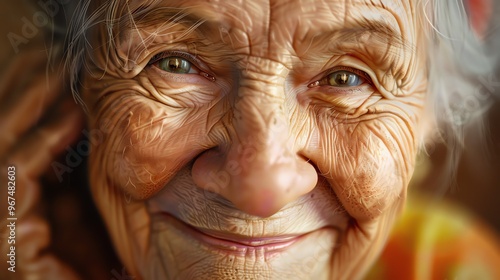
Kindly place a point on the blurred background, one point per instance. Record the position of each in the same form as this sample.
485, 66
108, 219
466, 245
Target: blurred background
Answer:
477, 185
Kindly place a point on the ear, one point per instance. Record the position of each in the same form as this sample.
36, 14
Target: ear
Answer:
479, 12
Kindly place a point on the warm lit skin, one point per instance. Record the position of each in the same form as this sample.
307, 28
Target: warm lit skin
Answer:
255, 141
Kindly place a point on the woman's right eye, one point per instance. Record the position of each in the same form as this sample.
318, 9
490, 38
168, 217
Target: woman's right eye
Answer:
179, 63
176, 65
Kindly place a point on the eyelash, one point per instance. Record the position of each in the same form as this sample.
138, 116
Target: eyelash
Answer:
362, 74
159, 56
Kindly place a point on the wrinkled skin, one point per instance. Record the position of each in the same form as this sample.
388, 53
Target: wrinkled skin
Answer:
254, 142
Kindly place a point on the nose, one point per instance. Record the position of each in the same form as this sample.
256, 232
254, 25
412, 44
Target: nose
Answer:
259, 169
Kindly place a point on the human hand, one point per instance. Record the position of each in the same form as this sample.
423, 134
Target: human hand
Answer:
38, 119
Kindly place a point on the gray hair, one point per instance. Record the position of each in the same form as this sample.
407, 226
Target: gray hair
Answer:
460, 69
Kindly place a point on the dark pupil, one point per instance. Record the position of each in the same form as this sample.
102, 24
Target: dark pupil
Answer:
174, 64
342, 78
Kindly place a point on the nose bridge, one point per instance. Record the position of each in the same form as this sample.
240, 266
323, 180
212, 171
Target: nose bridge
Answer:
266, 71
262, 76
259, 169
260, 118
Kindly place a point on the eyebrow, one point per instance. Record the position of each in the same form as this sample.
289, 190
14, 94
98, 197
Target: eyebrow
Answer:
149, 16
379, 32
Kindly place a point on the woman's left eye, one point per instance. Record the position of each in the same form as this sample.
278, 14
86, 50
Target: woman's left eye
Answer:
176, 65
343, 79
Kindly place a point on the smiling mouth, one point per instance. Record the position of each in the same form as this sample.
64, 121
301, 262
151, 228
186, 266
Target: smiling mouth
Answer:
236, 244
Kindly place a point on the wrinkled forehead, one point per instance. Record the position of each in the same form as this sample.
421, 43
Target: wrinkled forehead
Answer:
262, 23
284, 31
258, 15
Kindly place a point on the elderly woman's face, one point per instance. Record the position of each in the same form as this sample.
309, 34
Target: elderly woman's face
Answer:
256, 139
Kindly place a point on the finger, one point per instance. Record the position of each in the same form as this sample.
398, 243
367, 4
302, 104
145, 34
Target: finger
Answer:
35, 154
21, 113
33, 235
49, 267
27, 196
33, 238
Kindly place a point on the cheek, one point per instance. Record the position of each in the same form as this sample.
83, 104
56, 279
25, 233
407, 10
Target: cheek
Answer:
367, 163
148, 143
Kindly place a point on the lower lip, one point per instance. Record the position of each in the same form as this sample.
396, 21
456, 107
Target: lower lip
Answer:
235, 248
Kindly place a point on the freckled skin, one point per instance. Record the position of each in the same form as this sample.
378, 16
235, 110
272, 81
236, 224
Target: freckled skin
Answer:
258, 152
